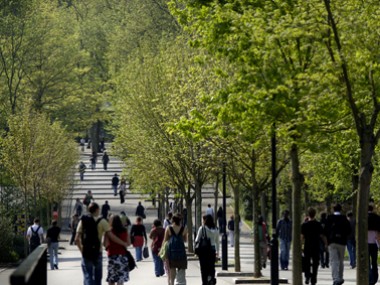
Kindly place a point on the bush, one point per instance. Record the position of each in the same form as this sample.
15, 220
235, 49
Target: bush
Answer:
7, 238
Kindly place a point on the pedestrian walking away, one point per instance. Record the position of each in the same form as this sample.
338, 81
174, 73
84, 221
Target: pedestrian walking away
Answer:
323, 251
284, 231
157, 236
117, 269
91, 230
105, 160
351, 241
138, 237
123, 190
82, 170
373, 239
93, 159
52, 239
140, 211
231, 230
221, 219
207, 256
210, 211
263, 241
78, 207
115, 184
337, 228
311, 234
176, 236
105, 210
82, 142
73, 227
168, 220
35, 235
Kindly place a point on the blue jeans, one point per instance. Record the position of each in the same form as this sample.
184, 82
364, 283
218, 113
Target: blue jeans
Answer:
114, 187
138, 251
158, 265
53, 253
351, 248
284, 253
92, 271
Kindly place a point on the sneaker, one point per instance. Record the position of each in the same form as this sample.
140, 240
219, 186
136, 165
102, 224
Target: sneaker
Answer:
307, 281
55, 266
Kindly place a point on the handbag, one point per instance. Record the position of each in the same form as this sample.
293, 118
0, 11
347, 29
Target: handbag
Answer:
163, 253
203, 245
145, 252
131, 261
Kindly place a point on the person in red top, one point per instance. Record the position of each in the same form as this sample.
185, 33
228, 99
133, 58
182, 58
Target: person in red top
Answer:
117, 260
157, 236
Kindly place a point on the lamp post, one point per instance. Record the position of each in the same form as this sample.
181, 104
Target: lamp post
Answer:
224, 236
274, 240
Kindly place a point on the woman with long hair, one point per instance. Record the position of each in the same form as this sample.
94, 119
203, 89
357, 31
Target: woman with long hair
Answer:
207, 258
117, 260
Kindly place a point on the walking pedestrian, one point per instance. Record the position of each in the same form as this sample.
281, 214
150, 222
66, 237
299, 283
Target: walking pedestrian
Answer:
105, 210
115, 184
123, 190
82, 142
338, 228
140, 211
105, 160
311, 234
168, 220
231, 230
138, 237
157, 236
373, 237
176, 236
73, 227
93, 160
221, 219
52, 238
117, 269
351, 241
78, 207
210, 211
207, 258
82, 170
91, 230
88, 198
323, 251
263, 241
284, 232
35, 235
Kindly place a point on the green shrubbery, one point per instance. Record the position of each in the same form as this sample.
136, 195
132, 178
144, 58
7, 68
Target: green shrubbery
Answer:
11, 247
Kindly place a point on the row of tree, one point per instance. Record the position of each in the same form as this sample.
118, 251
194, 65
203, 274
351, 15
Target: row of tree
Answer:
186, 87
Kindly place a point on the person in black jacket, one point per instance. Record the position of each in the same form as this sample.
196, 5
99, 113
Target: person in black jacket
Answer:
337, 228
139, 237
52, 237
373, 232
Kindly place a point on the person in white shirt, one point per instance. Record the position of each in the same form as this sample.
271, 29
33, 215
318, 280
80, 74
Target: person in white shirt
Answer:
210, 211
207, 258
35, 235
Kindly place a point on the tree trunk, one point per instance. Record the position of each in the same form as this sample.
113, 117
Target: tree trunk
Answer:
216, 198
297, 181
188, 202
365, 177
198, 202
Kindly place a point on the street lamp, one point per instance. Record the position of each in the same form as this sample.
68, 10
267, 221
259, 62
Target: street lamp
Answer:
224, 236
274, 241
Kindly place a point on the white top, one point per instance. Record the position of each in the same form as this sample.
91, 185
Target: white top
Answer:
212, 234
210, 211
35, 226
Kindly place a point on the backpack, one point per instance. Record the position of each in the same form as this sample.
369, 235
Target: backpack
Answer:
90, 239
35, 238
176, 246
